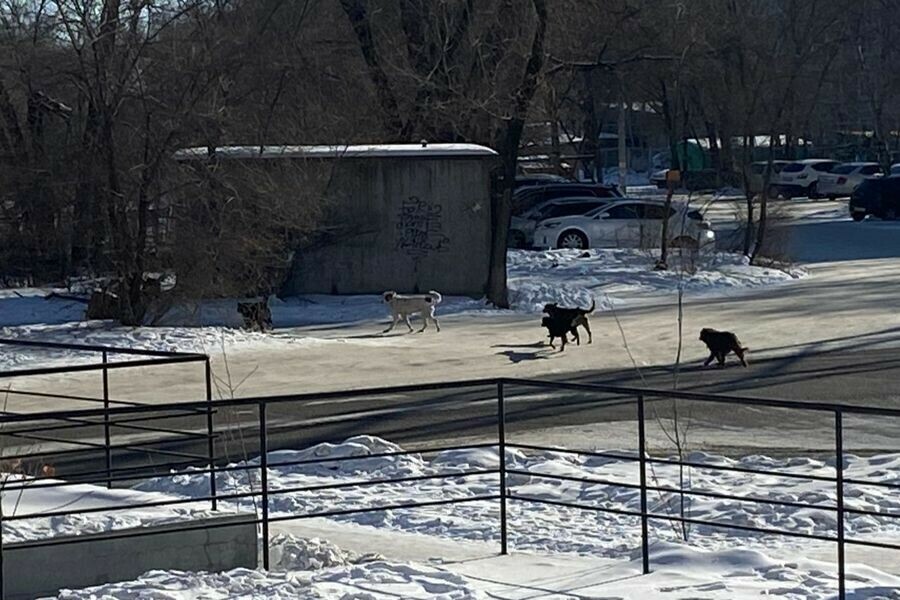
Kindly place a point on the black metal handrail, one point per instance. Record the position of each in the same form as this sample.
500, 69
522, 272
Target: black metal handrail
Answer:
497, 387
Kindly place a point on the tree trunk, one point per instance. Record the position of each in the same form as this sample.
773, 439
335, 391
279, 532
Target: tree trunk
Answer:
501, 203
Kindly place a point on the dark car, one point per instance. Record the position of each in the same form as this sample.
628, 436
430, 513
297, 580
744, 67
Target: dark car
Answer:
878, 197
527, 198
539, 179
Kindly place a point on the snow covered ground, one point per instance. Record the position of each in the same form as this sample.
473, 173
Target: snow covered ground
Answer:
559, 552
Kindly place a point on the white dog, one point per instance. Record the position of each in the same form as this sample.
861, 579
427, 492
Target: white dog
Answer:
402, 307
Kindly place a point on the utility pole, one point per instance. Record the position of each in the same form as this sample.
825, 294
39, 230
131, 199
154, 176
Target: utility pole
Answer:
623, 146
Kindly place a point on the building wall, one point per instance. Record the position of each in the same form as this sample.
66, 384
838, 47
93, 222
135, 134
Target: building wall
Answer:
227, 543
406, 224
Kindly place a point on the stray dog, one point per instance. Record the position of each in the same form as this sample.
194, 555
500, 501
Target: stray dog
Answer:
558, 328
720, 344
402, 307
257, 315
575, 316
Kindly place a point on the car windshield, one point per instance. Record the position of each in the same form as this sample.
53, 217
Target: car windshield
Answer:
793, 168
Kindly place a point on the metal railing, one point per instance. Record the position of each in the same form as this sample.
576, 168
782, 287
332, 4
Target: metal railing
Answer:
260, 409
149, 358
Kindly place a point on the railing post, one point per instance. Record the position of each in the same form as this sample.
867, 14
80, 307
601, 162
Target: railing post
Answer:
210, 441
642, 461
839, 471
501, 445
106, 435
264, 482
2, 573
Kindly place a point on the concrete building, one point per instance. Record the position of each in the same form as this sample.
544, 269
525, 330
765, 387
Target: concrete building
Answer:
404, 217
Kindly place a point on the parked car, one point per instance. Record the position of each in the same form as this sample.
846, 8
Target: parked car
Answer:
521, 228
527, 198
845, 178
756, 176
878, 196
626, 223
539, 179
801, 178
895, 169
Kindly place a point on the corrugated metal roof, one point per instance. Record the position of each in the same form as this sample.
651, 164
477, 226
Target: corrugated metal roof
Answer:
340, 151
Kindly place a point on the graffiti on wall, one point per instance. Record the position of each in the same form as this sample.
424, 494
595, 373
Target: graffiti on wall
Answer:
420, 229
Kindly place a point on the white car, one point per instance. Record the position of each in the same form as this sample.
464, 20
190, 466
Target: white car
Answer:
845, 178
521, 227
626, 224
801, 178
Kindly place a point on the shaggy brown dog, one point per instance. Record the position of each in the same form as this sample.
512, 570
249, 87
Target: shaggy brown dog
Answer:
720, 344
558, 328
575, 316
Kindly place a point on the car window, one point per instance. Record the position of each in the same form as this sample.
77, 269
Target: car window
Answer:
623, 211
824, 167
778, 167
843, 169
792, 168
526, 199
653, 211
870, 170
569, 209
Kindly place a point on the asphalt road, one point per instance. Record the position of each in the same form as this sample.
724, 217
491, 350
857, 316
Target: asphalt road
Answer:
464, 415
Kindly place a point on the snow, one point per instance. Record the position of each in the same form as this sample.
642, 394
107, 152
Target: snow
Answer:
632, 178
338, 151
543, 527
35, 501
559, 551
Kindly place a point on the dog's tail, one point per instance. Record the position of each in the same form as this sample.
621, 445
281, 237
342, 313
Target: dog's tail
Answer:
437, 297
593, 306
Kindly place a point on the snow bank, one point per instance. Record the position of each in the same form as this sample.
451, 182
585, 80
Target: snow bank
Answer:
35, 501
719, 564
549, 528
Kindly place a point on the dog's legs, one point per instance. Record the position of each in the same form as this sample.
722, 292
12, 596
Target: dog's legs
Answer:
396, 319
710, 359
720, 358
430, 315
587, 328
406, 320
551, 342
576, 336
740, 354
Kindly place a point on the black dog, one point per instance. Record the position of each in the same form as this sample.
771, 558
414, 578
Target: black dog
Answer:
257, 315
575, 316
720, 344
558, 328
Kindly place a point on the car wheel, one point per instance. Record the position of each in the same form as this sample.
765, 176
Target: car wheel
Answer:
572, 239
516, 239
857, 216
812, 192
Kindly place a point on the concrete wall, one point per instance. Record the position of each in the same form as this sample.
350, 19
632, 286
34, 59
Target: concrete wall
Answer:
414, 224
34, 572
